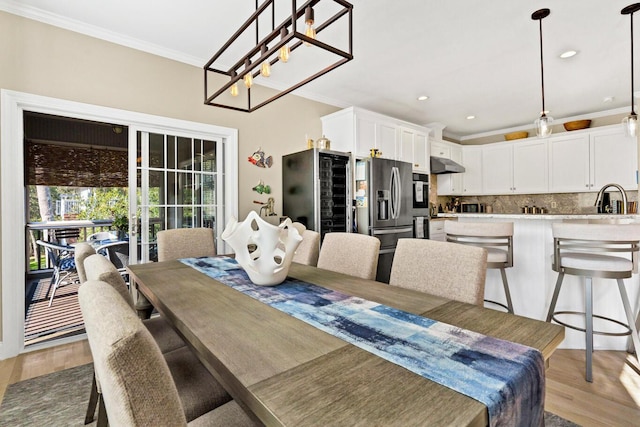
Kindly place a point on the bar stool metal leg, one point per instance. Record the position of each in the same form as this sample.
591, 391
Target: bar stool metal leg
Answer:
554, 299
505, 284
588, 300
629, 312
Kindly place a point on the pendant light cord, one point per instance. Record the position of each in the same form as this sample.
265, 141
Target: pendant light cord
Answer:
633, 112
542, 68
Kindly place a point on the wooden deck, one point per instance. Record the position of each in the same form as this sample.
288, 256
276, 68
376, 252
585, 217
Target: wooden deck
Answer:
62, 319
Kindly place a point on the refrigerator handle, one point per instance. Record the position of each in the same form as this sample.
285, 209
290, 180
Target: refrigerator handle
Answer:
399, 193
395, 193
392, 191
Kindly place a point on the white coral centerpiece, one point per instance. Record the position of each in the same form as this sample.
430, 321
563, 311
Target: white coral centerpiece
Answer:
264, 250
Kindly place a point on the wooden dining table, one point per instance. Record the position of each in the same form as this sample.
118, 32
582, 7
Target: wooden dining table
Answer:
289, 373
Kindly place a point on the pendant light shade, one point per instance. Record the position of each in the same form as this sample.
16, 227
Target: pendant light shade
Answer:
630, 123
542, 124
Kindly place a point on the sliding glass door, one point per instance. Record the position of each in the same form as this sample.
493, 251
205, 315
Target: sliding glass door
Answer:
179, 182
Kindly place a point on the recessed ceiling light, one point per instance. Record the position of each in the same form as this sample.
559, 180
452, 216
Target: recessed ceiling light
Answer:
608, 99
471, 117
568, 54
423, 98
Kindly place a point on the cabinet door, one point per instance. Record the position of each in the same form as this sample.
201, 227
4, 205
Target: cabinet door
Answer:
405, 152
614, 159
386, 140
450, 184
497, 169
440, 150
472, 176
365, 135
421, 162
569, 164
530, 170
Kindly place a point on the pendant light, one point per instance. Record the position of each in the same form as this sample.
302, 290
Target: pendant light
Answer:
630, 123
543, 123
297, 26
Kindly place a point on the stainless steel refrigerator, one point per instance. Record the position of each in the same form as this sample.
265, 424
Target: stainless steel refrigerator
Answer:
317, 189
384, 201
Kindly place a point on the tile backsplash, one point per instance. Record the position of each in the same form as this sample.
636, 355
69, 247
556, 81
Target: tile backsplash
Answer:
555, 203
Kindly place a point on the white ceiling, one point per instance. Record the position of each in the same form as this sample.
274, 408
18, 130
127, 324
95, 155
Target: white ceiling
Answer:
470, 57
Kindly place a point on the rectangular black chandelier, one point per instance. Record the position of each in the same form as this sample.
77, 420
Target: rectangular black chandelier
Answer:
293, 47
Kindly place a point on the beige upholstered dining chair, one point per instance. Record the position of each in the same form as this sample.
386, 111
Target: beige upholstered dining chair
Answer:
189, 374
138, 386
443, 269
185, 243
350, 253
309, 249
496, 238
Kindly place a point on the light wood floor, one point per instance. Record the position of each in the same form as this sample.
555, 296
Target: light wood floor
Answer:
613, 399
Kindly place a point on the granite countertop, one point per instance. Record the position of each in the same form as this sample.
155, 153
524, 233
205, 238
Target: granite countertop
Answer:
603, 217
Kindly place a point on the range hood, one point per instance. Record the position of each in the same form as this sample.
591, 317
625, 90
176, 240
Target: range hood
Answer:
441, 165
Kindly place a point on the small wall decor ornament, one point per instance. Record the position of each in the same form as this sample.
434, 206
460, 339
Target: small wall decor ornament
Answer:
275, 245
262, 188
259, 159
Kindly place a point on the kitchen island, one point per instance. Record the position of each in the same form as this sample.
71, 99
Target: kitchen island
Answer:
531, 279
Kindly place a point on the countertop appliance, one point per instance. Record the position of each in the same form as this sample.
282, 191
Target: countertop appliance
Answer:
384, 206
316, 188
472, 207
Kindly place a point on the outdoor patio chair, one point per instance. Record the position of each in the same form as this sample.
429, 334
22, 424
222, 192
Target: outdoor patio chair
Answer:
62, 260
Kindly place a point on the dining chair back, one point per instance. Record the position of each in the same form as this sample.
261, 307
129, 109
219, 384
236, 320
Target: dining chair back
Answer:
443, 269
137, 384
185, 243
309, 249
61, 258
350, 253
496, 238
83, 250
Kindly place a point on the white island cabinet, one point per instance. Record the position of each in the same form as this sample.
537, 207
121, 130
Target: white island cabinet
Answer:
531, 279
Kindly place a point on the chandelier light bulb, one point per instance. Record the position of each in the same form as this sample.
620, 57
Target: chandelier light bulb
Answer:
265, 67
248, 77
309, 21
285, 51
234, 87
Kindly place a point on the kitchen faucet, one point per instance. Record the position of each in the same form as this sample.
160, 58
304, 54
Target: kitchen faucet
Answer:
598, 202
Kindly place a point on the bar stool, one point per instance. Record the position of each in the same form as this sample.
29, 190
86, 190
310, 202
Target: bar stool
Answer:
496, 238
593, 250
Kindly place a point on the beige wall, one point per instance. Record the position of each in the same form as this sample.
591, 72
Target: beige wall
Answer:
45, 60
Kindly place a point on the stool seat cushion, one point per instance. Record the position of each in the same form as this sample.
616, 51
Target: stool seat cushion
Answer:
595, 262
496, 255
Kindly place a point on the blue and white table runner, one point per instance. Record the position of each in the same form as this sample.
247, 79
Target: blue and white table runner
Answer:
507, 377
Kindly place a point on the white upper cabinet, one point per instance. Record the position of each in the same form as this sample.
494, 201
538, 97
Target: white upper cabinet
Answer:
590, 159
358, 131
614, 159
515, 168
449, 184
569, 164
413, 144
472, 176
